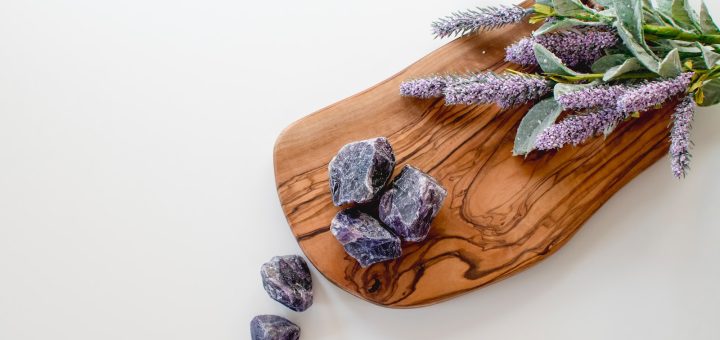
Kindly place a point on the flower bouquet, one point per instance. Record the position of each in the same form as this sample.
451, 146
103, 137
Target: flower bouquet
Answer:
590, 66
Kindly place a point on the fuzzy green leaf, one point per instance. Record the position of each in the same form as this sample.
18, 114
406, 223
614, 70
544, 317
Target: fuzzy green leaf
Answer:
561, 88
711, 92
709, 57
665, 6
550, 63
542, 115
682, 14
605, 3
560, 24
638, 48
707, 24
607, 62
671, 66
630, 15
632, 64
685, 46
570, 8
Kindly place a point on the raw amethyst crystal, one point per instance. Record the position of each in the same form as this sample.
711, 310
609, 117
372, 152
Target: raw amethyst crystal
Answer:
287, 280
273, 327
364, 238
411, 204
360, 170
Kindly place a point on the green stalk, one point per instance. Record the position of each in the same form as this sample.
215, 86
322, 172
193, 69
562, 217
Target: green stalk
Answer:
594, 76
672, 33
655, 31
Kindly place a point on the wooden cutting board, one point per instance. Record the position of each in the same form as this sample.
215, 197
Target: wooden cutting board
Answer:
502, 214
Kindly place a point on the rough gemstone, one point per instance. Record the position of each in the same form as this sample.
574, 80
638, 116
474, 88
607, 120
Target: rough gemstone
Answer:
273, 327
360, 170
411, 204
364, 238
287, 280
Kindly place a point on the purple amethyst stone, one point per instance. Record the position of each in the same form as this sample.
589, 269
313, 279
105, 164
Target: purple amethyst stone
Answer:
364, 238
360, 170
287, 280
273, 327
411, 204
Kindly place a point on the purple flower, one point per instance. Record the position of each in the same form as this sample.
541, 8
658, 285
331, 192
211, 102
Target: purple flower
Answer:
461, 23
506, 90
578, 128
574, 48
651, 94
599, 96
680, 136
429, 87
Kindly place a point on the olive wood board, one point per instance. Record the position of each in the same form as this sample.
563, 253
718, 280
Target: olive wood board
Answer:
503, 213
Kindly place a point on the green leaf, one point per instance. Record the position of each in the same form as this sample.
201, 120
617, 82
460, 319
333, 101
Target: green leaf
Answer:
707, 24
560, 24
550, 63
562, 88
607, 62
685, 46
665, 6
709, 57
632, 64
683, 14
605, 3
671, 66
638, 49
542, 115
608, 12
630, 15
570, 8
711, 91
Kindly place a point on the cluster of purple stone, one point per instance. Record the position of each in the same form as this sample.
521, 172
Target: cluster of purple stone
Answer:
273, 327
287, 280
461, 23
405, 211
505, 90
606, 106
360, 170
574, 48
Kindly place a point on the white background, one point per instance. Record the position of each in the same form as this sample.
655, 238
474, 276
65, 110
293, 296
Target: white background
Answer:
137, 198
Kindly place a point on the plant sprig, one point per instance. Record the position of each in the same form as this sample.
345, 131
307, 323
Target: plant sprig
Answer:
605, 64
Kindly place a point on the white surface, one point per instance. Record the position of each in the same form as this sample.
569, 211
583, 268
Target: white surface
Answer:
137, 198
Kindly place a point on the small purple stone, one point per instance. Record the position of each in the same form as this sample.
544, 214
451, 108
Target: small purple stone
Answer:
364, 238
411, 204
273, 327
360, 170
287, 280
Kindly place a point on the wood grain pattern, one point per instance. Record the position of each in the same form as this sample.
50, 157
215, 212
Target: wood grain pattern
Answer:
503, 213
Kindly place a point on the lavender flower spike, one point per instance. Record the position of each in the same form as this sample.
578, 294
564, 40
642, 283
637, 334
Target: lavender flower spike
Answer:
599, 96
461, 23
574, 48
506, 90
650, 94
424, 88
578, 128
680, 136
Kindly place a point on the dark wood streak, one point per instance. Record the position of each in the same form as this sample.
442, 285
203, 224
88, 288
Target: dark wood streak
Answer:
503, 214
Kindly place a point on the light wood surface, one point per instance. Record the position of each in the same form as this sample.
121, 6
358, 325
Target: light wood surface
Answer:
503, 213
